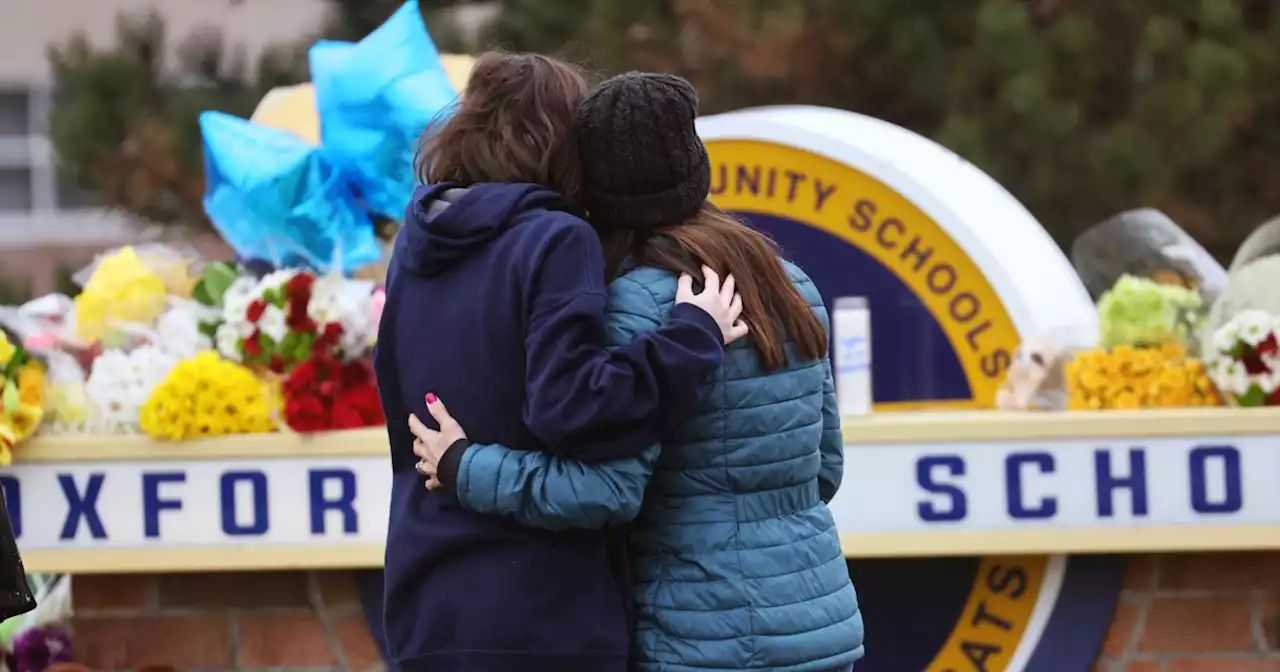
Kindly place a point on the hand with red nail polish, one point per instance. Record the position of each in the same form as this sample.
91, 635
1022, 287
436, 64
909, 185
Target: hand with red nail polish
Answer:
429, 444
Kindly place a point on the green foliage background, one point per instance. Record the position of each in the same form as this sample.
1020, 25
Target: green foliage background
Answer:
1080, 108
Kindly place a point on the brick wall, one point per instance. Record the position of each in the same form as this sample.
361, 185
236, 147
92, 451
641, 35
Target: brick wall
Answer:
1208, 612
294, 620
1177, 613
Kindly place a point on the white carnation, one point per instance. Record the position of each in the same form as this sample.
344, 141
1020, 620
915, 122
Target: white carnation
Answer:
227, 341
273, 324
1254, 326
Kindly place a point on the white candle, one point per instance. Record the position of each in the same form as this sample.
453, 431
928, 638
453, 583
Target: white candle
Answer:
852, 326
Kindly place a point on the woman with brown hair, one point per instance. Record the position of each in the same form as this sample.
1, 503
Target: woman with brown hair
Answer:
735, 561
496, 299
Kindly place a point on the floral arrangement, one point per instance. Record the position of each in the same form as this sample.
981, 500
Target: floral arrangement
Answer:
40, 640
286, 317
206, 396
120, 380
1125, 377
22, 384
247, 349
313, 332
1142, 312
323, 393
1244, 359
121, 289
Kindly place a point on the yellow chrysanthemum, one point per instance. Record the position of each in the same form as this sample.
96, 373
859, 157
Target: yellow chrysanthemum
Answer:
1126, 377
207, 396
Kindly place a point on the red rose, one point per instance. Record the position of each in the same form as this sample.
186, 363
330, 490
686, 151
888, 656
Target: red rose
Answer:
300, 286
346, 416
305, 413
329, 336
1253, 364
363, 401
255, 310
1274, 398
277, 364
251, 345
328, 388
1269, 347
327, 367
300, 323
302, 378
355, 373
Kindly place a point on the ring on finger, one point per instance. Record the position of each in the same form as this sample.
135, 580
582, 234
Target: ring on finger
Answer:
421, 466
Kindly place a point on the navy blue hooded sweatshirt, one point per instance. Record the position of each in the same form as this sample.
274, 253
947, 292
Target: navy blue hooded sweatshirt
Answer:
496, 303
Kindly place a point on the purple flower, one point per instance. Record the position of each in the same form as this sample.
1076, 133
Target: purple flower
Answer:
35, 649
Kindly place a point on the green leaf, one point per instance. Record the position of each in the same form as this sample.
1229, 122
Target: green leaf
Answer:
209, 329
303, 349
1254, 397
215, 280
201, 294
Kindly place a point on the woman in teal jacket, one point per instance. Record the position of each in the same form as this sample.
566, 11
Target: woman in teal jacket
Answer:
734, 558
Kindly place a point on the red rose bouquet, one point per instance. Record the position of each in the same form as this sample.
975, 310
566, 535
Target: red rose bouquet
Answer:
323, 393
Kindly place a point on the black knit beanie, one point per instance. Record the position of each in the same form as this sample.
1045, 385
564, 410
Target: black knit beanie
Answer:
643, 163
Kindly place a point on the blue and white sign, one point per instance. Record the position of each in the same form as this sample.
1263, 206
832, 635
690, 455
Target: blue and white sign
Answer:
1084, 495
1088, 483
287, 502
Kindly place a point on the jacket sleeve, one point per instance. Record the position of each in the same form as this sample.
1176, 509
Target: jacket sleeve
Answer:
542, 490
584, 401
831, 447
831, 471
538, 489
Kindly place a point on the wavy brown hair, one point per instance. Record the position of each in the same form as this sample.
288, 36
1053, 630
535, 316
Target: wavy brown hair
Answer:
513, 124
771, 305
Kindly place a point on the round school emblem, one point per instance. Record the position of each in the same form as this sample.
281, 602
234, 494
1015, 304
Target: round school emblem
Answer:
952, 267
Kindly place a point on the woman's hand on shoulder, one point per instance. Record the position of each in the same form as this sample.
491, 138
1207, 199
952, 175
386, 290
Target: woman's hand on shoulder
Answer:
720, 301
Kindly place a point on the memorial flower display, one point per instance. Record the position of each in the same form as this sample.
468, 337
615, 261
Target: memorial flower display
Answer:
206, 396
40, 639
1143, 312
1243, 359
324, 393
1144, 362
1125, 378
22, 390
125, 286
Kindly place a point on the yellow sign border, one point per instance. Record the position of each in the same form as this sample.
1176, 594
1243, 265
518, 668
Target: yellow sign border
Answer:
752, 176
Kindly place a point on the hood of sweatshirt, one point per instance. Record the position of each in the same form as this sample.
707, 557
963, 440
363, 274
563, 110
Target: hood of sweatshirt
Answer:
446, 223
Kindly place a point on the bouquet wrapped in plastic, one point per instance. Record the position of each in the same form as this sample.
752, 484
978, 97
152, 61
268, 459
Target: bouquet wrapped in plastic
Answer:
1145, 244
1252, 278
129, 286
41, 638
1153, 285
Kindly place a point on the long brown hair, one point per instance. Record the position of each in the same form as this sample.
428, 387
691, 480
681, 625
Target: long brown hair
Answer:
771, 305
513, 124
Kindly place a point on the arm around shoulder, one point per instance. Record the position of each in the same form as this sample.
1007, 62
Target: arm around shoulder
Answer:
583, 400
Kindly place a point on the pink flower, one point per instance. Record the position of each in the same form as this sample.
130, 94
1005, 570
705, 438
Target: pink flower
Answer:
376, 304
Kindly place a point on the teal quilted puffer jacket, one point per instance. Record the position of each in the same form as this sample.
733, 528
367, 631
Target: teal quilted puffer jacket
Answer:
735, 557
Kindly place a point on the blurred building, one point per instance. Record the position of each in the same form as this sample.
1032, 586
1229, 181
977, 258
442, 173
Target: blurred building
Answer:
47, 225
44, 223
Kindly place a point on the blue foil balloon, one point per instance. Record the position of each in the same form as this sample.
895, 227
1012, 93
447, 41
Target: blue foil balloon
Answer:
274, 197
375, 98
